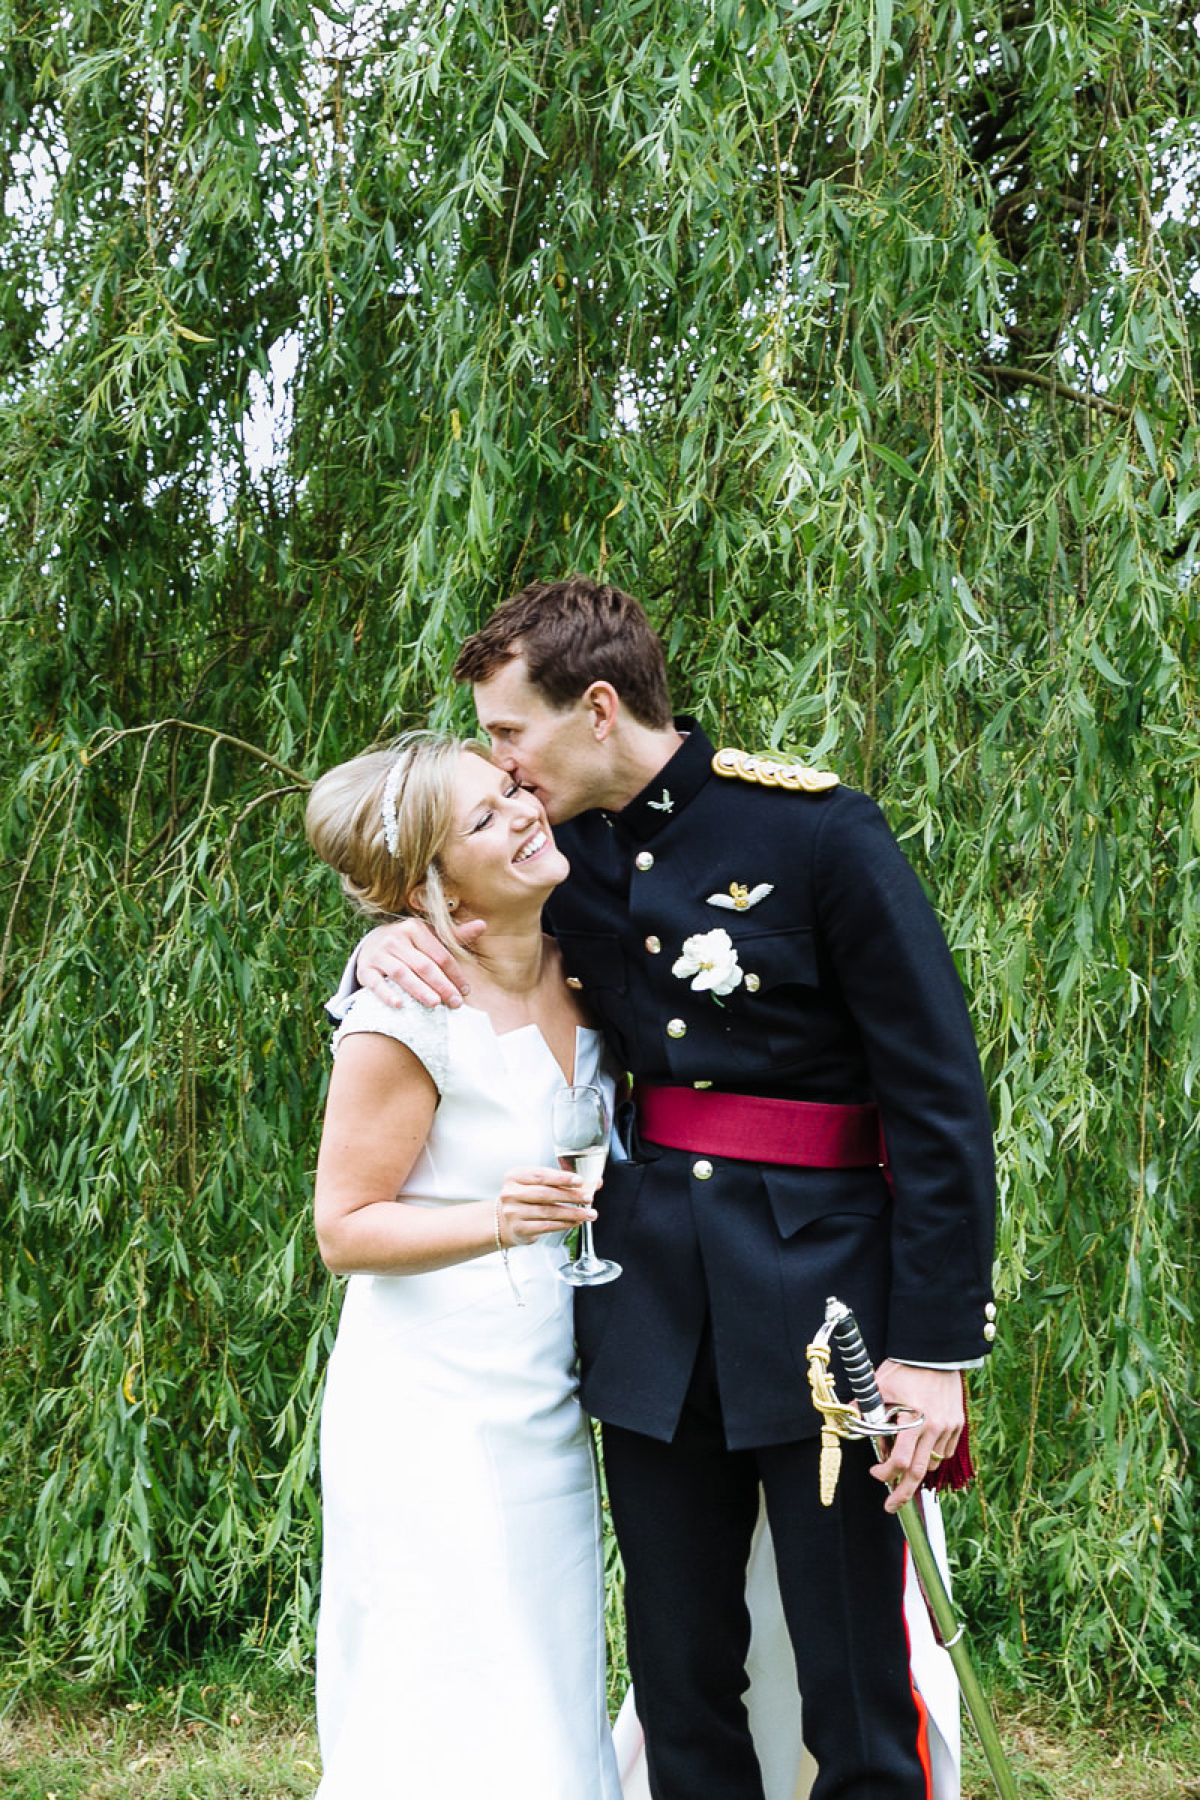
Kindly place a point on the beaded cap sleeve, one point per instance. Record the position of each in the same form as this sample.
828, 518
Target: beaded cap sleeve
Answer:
422, 1029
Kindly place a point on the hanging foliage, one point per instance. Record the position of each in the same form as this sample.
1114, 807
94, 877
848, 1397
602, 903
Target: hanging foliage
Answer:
859, 340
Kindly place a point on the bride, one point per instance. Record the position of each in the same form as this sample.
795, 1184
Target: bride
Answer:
460, 1645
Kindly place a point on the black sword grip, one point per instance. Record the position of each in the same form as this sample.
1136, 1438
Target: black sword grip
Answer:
859, 1370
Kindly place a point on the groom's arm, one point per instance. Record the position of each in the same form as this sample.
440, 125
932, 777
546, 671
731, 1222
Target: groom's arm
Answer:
405, 957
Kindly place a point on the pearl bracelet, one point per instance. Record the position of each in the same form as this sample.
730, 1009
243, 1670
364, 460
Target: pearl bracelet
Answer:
502, 1247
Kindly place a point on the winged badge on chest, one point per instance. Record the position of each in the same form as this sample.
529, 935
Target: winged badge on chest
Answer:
741, 897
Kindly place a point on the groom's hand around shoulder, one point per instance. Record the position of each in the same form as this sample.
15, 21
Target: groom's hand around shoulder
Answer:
406, 958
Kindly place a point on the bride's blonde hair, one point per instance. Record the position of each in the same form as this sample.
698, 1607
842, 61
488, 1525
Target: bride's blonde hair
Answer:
404, 793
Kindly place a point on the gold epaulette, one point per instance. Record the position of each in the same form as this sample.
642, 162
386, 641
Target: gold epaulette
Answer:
766, 771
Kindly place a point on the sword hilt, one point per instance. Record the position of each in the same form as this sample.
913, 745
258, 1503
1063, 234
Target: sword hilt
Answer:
860, 1371
883, 1421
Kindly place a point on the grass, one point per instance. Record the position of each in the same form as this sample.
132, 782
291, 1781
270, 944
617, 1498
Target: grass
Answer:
1058, 1759
237, 1730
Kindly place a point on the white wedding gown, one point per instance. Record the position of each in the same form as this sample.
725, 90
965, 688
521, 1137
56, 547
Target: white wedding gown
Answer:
460, 1643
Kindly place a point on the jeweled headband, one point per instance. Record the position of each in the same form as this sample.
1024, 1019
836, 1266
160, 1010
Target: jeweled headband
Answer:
387, 806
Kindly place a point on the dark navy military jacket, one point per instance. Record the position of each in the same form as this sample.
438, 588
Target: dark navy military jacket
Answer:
848, 993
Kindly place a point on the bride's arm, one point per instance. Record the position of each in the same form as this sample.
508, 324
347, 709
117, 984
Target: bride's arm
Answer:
380, 1108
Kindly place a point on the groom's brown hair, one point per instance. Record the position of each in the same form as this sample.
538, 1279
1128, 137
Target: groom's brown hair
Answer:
570, 634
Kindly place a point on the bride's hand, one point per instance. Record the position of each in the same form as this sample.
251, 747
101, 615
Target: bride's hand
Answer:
535, 1202
406, 956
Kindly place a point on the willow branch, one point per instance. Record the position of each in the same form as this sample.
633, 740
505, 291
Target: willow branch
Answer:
209, 731
1033, 378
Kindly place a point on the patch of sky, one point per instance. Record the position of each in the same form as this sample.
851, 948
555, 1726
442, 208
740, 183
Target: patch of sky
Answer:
266, 424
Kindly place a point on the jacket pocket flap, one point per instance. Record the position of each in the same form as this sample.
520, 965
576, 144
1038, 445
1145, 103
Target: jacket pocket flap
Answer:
799, 1196
593, 957
779, 957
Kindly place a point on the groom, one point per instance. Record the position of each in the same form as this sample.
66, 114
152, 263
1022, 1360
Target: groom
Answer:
752, 942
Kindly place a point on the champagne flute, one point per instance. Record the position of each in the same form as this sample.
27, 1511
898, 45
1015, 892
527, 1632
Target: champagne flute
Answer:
581, 1126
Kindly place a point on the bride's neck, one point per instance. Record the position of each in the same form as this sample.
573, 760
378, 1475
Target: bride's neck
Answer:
512, 958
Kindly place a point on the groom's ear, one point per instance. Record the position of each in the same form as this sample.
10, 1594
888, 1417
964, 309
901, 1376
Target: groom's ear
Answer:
603, 704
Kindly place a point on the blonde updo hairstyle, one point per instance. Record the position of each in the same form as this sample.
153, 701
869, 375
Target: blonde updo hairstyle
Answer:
345, 826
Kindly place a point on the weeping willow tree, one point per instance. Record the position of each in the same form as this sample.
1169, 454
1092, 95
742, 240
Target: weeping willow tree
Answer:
859, 339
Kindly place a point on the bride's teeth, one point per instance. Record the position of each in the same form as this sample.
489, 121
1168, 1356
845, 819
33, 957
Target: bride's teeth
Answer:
534, 844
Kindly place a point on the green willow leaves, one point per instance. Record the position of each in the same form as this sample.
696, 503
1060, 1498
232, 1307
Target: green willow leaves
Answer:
860, 341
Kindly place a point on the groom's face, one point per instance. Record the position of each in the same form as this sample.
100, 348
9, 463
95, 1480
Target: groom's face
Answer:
554, 752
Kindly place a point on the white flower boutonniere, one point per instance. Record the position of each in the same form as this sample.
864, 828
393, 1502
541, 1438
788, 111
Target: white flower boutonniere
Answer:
711, 960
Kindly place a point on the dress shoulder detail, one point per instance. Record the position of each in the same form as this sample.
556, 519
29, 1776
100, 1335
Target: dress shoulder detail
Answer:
424, 1030
768, 771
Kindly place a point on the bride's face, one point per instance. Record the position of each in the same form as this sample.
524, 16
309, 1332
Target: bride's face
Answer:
501, 849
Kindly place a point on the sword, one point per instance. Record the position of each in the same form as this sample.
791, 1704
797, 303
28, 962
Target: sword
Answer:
878, 1422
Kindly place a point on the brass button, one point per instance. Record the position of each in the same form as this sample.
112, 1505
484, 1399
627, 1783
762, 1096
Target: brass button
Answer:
752, 984
573, 981
643, 860
989, 1332
653, 945
989, 1311
702, 1170
701, 1084
676, 1028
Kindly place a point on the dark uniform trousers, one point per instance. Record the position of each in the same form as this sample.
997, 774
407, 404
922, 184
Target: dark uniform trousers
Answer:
838, 988
685, 1512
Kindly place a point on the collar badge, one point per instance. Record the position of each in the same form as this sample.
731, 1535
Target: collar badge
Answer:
741, 898
665, 805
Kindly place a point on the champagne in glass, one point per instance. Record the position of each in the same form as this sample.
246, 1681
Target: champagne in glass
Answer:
581, 1126
587, 1164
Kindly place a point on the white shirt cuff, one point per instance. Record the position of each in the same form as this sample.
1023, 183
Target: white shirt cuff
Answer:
904, 1362
339, 1004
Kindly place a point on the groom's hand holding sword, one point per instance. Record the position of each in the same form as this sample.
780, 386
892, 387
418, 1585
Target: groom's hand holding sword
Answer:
881, 1423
